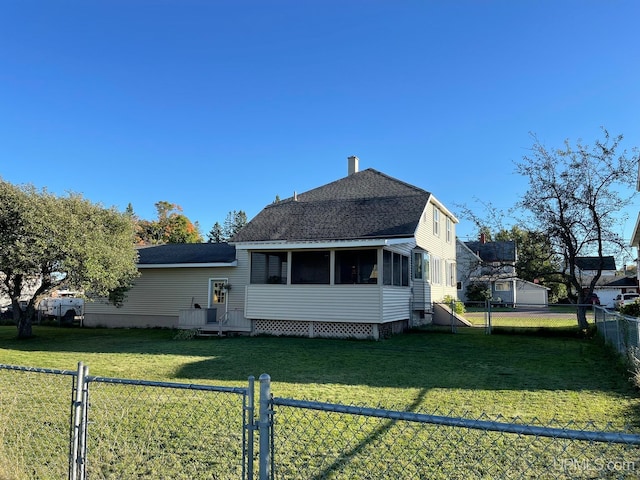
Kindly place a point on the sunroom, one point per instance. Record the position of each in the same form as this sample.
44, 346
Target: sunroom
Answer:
336, 289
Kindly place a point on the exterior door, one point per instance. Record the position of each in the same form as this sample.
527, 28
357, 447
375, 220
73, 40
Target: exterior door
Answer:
218, 296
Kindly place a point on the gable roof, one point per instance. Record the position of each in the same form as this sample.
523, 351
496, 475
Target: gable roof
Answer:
189, 254
623, 282
364, 205
499, 251
592, 263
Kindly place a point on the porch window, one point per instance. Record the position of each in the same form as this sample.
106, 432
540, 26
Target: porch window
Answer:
395, 269
356, 266
503, 286
421, 266
269, 267
310, 267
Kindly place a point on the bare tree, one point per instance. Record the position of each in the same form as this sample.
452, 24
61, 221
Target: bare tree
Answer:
576, 199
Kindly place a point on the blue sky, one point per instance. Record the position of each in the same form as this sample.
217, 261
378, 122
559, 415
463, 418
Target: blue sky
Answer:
222, 105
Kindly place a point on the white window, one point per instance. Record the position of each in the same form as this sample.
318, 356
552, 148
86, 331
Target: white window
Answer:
436, 221
449, 230
436, 270
421, 266
450, 271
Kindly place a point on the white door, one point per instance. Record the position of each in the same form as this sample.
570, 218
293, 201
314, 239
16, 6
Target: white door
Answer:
218, 296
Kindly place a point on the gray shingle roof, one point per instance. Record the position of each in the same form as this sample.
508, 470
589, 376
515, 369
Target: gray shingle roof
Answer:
592, 263
623, 282
180, 253
366, 204
499, 251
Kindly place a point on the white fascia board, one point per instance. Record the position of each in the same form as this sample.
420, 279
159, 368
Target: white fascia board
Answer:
188, 265
635, 237
376, 242
444, 209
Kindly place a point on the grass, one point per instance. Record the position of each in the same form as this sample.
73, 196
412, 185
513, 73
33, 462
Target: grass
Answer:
510, 375
535, 379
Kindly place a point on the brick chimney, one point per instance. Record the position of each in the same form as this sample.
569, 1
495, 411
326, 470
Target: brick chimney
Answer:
483, 238
353, 164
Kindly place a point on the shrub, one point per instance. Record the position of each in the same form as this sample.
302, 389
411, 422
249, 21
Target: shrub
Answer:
478, 292
458, 306
631, 309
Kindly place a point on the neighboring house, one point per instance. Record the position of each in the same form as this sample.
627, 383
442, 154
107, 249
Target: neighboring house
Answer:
609, 291
494, 264
635, 237
587, 268
363, 256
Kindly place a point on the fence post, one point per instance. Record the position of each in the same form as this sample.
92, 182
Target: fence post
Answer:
264, 427
487, 329
249, 426
452, 306
79, 426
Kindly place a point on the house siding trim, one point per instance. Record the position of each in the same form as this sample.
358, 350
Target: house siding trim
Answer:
322, 245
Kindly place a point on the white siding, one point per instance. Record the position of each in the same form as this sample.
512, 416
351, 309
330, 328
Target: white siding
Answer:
396, 301
325, 303
438, 246
165, 291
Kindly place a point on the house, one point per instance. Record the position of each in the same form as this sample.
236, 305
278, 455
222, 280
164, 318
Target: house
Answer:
174, 280
587, 267
494, 264
610, 290
635, 236
363, 256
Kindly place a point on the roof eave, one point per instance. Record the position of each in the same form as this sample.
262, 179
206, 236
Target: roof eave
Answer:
284, 244
188, 265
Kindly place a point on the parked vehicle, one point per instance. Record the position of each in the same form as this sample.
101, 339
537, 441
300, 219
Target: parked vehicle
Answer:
592, 299
65, 307
625, 299
6, 311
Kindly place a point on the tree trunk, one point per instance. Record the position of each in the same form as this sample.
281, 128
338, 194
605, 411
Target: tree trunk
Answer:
25, 329
583, 324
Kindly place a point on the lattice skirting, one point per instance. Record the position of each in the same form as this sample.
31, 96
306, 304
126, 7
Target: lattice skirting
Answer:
328, 329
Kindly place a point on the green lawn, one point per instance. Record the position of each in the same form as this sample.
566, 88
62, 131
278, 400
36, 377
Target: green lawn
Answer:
552, 380
509, 375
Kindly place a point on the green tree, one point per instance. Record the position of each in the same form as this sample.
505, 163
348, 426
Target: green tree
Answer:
574, 200
171, 226
216, 235
536, 260
47, 242
235, 220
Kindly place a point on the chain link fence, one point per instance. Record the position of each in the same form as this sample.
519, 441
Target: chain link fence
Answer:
318, 441
57, 424
141, 429
620, 331
35, 409
517, 317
